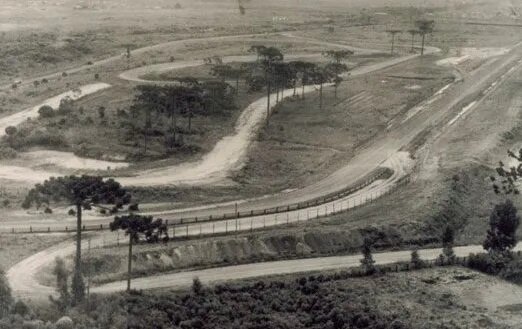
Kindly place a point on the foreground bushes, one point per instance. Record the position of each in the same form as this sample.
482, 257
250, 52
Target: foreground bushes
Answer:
308, 302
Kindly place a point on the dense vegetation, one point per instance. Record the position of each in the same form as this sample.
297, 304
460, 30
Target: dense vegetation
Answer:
324, 301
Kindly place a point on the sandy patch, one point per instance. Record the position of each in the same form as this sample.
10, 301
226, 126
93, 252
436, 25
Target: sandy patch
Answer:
68, 160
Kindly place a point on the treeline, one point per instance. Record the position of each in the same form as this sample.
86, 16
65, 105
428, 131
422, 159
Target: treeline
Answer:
157, 111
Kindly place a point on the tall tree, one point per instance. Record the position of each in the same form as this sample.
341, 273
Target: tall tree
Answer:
393, 33
337, 58
305, 72
225, 71
135, 226
321, 75
424, 26
82, 192
258, 50
503, 224
413, 33
367, 262
448, 239
148, 100
269, 56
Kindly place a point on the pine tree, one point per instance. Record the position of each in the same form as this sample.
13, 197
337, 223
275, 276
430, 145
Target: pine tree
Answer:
448, 255
367, 262
416, 261
503, 224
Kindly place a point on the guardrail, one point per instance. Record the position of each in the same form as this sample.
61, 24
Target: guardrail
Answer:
184, 228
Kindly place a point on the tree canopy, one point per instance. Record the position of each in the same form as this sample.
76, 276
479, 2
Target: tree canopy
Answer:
77, 190
503, 225
136, 225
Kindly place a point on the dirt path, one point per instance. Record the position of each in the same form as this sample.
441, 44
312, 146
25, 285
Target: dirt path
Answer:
228, 155
24, 284
54, 102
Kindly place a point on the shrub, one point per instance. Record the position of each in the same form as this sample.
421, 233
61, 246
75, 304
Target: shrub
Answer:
64, 74
7, 152
66, 106
197, 286
21, 308
367, 263
46, 111
64, 323
10, 130
416, 261
71, 212
134, 207
96, 76
101, 112
483, 263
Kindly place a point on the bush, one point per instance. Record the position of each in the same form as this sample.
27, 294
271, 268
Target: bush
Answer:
46, 111
64, 323
416, 261
66, 106
43, 138
134, 207
483, 263
21, 308
7, 152
10, 130
71, 212
197, 286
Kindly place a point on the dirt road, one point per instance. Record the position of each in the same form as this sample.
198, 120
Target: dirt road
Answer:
24, 284
215, 275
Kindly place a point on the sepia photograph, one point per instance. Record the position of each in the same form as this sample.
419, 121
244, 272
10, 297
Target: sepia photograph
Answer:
260, 164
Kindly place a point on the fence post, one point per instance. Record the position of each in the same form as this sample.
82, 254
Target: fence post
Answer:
287, 218
187, 230
251, 224
30, 229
